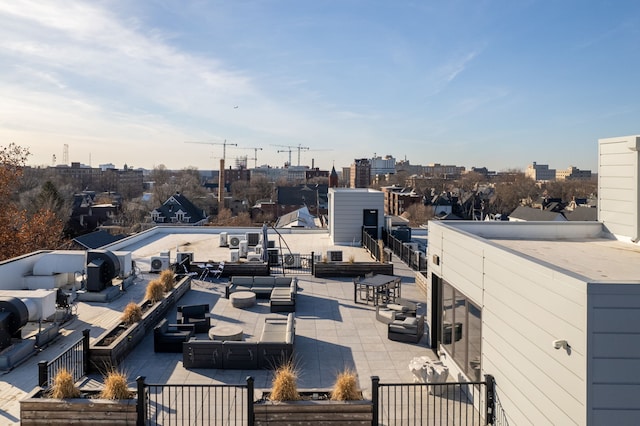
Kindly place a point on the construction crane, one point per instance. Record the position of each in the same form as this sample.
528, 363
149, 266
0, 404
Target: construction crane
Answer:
299, 147
224, 146
255, 155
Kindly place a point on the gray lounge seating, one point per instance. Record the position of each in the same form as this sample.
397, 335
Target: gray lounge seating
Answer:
169, 337
261, 286
409, 330
195, 314
274, 347
399, 310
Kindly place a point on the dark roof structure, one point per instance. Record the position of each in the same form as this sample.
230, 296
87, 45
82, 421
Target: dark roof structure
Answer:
529, 214
97, 239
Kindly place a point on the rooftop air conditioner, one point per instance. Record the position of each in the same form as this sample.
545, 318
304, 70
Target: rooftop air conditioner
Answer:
292, 260
243, 248
224, 242
317, 257
252, 257
234, 255
234, 241
258, 250
334, 255
253, 238
159, 263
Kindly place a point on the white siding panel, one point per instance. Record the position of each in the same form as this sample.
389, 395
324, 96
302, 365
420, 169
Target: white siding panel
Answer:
617, 171
463, 267
542, 401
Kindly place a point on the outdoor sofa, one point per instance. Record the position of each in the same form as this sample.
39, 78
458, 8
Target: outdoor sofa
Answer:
274, 347
260, 285
398, 310
409, 330
169, 337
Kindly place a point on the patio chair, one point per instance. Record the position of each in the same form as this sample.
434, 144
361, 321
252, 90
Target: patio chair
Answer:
215, 273
195, 314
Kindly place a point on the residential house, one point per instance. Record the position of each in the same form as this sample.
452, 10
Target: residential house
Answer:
179, 210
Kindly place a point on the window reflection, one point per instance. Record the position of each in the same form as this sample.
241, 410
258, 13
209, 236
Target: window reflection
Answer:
461, 330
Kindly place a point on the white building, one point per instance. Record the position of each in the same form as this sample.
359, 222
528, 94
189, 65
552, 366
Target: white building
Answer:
383, 165
551, 310
351, 209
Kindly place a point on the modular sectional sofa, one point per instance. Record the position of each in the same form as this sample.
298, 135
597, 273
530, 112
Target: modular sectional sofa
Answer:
281, 291
274, 347
409, 330
169, 337
261, 286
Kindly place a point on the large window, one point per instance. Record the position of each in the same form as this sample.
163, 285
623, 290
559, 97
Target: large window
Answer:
461, 326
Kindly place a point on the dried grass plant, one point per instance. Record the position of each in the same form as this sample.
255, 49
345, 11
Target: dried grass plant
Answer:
155, 291
63, 386
132, 313
284, 386
346, 387
116, 386
168, 279
352, 259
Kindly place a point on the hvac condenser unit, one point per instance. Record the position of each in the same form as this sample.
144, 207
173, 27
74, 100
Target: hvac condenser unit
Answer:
184, 257
253, 238
243, 248
334, 255
292, 260
234, 241
253, 257
159, 263
224, 241
234, 255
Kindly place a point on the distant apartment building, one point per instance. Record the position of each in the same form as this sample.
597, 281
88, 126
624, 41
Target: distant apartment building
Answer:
540, 172
316, 173
410, 169
383, 165
236, 175
398, 199
360, 174
573, 173
443, 171
104, 178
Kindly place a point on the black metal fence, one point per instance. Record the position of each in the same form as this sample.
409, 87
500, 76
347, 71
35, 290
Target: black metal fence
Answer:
291, 263
415, 259
168, 404
75, 360
464, 403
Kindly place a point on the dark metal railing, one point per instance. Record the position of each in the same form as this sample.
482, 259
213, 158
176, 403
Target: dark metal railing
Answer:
291, 263
168, 404
465, 403
75, 360
415, 259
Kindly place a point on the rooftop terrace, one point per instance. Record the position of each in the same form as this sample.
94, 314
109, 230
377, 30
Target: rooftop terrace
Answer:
332, 332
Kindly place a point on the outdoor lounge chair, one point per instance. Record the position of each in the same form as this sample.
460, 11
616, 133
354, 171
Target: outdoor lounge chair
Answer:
195, 314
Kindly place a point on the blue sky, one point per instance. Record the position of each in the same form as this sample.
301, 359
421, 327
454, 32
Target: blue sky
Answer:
473, 83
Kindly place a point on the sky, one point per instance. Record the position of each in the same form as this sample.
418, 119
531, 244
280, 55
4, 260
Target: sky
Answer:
482, 83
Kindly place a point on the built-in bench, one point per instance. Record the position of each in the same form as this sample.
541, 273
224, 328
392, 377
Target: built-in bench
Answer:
274, 348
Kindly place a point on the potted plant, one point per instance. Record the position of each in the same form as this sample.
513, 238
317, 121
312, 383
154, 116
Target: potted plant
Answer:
343, 404
65, 403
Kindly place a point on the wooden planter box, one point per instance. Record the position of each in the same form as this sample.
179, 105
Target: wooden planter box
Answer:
322, 412
38, 410
105, 354
348, 269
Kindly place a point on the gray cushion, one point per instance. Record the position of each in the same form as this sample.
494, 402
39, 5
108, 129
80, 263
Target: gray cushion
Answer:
410, 322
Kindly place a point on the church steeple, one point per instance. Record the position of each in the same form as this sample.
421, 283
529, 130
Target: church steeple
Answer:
333, 178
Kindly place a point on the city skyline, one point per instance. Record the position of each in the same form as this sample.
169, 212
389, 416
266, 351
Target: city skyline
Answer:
496, 84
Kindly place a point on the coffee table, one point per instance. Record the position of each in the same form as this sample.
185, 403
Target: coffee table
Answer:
242, 299
226, 332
